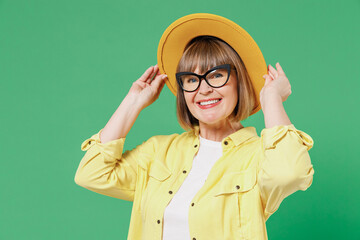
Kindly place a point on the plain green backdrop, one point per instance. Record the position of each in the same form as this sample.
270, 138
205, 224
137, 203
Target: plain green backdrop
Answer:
65, 67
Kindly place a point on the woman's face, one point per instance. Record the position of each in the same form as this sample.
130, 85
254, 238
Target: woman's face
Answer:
213, 113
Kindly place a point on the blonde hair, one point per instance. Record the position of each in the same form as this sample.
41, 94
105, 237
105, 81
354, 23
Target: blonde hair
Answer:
207, 52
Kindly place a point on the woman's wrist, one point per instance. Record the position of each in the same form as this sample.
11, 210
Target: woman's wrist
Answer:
133, 102
270, 98
274, 111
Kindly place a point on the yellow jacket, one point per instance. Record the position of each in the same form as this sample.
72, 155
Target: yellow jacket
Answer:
244, 187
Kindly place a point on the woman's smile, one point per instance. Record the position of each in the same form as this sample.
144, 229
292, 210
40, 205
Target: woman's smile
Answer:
208, 103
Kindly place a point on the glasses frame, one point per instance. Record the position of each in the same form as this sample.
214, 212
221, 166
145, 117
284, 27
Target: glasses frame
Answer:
228, 67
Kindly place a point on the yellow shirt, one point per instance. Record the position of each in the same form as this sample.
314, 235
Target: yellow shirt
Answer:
244, 187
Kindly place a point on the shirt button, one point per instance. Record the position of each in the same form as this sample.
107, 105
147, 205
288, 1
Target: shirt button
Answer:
194, 239
184, 171
158, 221
226, 142
170, 192
192, 204
195, 145
237, 187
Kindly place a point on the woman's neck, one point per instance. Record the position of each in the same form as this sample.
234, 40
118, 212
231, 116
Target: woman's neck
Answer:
217, 132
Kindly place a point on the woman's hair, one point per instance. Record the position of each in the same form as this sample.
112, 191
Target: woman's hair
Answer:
207, 52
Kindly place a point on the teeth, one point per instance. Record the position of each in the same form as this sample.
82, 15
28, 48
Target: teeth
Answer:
209, 102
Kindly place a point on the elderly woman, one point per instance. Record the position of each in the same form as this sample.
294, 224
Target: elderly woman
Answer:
217, 180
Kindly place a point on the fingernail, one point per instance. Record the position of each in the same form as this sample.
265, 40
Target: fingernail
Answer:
165, 76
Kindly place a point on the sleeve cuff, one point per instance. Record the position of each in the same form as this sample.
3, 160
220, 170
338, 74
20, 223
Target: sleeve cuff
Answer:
111, 149
271, 136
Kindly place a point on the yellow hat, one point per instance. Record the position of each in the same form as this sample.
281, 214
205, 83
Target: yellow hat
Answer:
179, 33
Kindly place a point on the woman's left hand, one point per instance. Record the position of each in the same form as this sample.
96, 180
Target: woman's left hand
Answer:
276, 83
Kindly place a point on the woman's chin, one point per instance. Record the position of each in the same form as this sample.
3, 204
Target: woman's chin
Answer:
209, 120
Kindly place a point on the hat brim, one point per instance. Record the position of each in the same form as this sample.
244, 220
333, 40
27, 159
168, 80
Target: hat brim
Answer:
179, 33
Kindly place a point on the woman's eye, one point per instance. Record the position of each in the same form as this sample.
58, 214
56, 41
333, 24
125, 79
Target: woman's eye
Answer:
191, 80
216, 75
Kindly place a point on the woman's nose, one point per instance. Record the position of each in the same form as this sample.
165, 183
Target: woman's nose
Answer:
204, 87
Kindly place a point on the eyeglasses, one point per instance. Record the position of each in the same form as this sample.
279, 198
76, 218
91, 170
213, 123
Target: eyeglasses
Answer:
216, 77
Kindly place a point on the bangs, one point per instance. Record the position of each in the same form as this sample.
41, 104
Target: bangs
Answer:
205, 53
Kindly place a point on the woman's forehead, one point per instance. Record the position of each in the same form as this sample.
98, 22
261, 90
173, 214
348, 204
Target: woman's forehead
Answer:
203, 66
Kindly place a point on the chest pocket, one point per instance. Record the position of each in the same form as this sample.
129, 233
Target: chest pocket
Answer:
236, 182
229, 195
158, 173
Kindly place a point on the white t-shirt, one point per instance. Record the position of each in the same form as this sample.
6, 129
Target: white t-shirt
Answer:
176, 225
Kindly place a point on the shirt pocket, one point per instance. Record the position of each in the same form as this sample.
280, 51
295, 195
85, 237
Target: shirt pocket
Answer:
232, 188
158, 174
236, 182
159, 171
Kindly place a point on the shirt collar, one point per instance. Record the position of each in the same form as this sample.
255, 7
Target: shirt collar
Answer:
237, 137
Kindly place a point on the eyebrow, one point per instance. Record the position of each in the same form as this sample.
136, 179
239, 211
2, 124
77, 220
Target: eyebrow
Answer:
208, 70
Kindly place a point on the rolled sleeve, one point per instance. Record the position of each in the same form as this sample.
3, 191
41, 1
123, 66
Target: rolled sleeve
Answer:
285, 167
104, 170
271, 136
111, 150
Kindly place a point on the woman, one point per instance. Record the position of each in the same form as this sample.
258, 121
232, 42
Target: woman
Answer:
219, 179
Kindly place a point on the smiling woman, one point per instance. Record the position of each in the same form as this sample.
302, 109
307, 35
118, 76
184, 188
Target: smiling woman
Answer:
201, 54
218, 180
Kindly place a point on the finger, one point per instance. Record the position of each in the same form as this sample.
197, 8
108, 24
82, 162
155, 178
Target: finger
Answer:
157, 68
279, 68
267, 79
271, 76
146, 74
162, 85
273, 71
154, 74
158, 80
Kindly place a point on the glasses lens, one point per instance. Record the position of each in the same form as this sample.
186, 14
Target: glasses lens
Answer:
189, 82
217, 77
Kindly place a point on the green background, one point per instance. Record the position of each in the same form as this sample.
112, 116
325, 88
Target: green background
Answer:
65, 67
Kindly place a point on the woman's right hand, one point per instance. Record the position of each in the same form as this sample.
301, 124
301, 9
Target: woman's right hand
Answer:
146, 91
